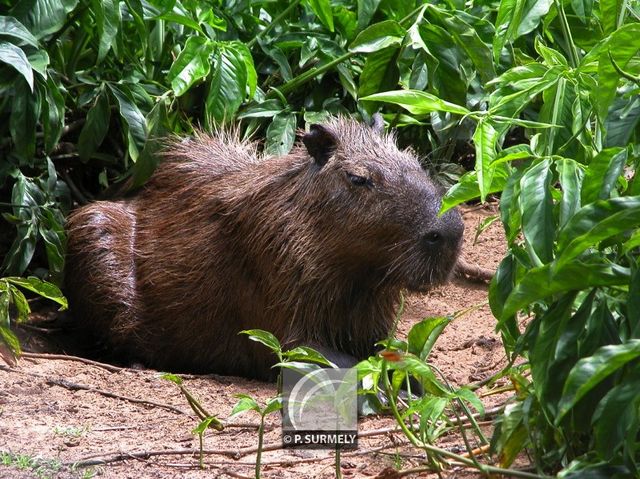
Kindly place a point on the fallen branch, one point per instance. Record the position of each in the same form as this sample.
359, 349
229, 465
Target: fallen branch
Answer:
473, 272
65, 357
81, 387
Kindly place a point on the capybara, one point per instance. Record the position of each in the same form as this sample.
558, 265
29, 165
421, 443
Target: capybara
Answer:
315, 246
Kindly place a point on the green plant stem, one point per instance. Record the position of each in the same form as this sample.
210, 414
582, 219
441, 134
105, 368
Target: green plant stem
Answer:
566, 31
439, 452
273, 23
338, 468
260, 442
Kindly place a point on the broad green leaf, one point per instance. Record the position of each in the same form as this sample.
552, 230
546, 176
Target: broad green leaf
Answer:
52, 233
602, 174
380, 72
322, 9
21, 304
208, 422
485, 140
467, 188
246, 403
424, 373
378, 36
616, 417
252, 75
545, 281
192, 64
25, 111
43, 17
305, 353
536, 207
468, 40
273, 404
16, 59
267, 109
582, 9
516, 18
53, 113
557, 109
133, 118
512, 432
264, 337
622, 120
11, 27
571, 175
228, 86
417, 102
95, 128
423, 335
590, 371
610, 11
596, 222
622, 45
281, 134
108, 19
366, 11
42, 288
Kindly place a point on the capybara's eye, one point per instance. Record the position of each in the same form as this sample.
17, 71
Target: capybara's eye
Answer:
359, 180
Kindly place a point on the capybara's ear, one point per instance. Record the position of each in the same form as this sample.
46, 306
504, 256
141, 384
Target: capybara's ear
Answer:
320, 143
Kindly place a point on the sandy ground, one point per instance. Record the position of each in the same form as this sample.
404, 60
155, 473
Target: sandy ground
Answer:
55, 412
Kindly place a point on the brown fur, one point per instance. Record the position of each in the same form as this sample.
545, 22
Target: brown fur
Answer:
221, 239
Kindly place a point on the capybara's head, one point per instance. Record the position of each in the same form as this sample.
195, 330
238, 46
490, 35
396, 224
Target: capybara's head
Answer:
380, 207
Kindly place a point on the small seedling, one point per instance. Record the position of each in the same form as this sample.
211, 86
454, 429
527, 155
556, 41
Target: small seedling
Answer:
247, 403
207, 421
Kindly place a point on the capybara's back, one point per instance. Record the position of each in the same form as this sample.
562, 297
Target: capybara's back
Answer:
314, 246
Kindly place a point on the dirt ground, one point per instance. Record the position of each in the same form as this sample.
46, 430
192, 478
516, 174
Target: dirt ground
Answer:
56, 412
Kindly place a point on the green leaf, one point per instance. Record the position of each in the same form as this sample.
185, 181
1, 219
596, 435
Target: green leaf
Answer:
596, 222
42, 288
545, 281
43, 17
16, 59
366, 11
322, 9
610, 11
53, 114
264, 337
11, 27
425, 374
174, 378
228, 86
136, 125
485, 139
305, 353
281, 134
616, 418
95, 127
589, 372
423, 335
193, 64
622, 45
571, 175
267, 108
108, 19
602, 174
536, 207
380, 72
21, 304
467, 187
417, 102
378, 36
516, 18
246, 403
25, 111
273, 404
